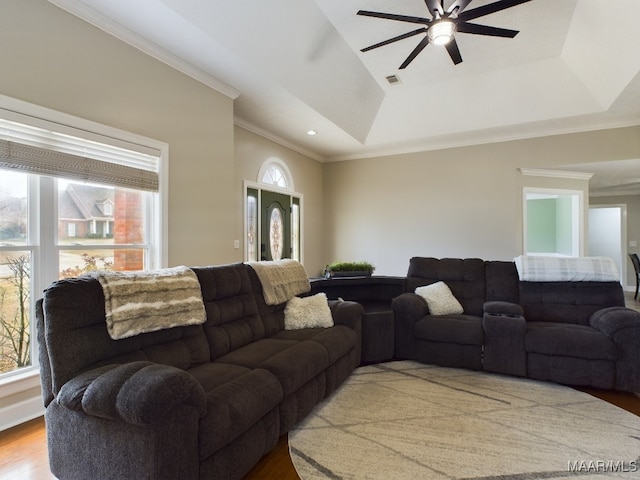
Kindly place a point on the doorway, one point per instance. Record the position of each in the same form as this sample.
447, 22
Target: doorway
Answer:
608, 235
273, 221
553, 222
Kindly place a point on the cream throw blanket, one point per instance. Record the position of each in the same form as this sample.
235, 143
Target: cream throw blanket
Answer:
281, 280
566, 269
139, 302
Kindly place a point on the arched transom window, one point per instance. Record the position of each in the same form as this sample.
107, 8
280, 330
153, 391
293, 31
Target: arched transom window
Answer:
275, 172
274, 176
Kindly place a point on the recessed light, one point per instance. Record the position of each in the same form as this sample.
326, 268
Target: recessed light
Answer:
312, 132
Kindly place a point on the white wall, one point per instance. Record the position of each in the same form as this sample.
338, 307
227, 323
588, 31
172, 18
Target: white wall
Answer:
606, 235
633, 227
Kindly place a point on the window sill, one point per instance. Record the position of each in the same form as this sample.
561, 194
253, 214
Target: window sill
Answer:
18, 382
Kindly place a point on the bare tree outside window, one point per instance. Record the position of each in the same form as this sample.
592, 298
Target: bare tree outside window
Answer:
15, 334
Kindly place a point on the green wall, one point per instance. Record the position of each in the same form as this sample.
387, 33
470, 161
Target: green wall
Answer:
541, 225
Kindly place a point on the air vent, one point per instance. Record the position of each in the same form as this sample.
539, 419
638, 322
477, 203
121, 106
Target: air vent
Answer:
393, 79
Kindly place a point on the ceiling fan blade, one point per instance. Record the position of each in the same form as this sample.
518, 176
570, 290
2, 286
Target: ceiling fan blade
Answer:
491, 8
454, 51
395, 39
460, 5
435, 6
423, 43
391, 16
485, 30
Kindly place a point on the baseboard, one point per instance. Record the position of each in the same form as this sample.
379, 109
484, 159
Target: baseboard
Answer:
21, 412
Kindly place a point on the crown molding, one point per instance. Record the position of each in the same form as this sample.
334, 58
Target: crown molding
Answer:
122, 33
239, 122
538, 172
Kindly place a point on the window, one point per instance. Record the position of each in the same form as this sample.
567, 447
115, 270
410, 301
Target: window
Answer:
274, 176
70, 202
273, 215
276, 173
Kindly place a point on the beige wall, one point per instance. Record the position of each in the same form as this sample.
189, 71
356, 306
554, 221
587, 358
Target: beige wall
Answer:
53, 59
251, 152
457, 202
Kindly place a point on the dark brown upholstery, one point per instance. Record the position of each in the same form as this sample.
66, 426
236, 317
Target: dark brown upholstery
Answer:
465, 277
567, 332
202, 401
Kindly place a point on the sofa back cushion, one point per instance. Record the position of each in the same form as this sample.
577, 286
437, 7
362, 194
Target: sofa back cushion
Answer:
73, 330
568, 302
272, 315
502, 281
233, 319
464, 277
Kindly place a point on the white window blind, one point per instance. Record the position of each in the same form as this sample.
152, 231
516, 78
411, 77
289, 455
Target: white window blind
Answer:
49, 152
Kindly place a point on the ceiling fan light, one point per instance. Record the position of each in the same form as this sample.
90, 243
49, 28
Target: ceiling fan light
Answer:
441, 32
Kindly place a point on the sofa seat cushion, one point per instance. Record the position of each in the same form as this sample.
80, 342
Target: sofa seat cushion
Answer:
569, 340
292, 362
338, 341
296, 365
235, 406
211, 374
253, 354
460, 329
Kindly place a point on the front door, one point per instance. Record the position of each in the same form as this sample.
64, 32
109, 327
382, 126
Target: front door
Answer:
275, 218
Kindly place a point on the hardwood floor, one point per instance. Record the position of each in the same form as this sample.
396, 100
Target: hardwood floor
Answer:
23, 451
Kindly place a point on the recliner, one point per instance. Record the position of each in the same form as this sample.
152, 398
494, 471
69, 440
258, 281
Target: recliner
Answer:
576, 333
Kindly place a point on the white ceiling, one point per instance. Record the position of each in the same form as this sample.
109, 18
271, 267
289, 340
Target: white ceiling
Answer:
296, 65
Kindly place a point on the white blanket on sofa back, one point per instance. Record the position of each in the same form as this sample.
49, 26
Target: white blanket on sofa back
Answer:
140, 302
566, 269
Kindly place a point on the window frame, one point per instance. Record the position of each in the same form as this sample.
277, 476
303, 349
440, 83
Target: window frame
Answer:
43, 214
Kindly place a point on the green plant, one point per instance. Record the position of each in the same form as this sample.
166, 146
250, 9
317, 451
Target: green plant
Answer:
350, 267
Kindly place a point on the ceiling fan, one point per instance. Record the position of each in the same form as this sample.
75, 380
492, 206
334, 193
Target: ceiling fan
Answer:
440, 29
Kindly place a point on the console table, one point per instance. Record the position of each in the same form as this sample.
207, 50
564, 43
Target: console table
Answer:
374, 294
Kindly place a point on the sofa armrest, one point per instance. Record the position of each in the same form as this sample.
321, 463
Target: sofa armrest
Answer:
622, 325
504, 345
503, 308
613, 320
347, 313
140, 393
408, 309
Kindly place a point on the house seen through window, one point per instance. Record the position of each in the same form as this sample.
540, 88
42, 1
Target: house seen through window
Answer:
55, 226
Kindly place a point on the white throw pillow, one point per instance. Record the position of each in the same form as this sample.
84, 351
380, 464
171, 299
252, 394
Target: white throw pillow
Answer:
440, 299
308, 312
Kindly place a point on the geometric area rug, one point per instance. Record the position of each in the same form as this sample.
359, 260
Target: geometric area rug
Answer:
406, 420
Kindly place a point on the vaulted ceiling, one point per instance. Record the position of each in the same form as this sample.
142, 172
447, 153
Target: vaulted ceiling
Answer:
296, 65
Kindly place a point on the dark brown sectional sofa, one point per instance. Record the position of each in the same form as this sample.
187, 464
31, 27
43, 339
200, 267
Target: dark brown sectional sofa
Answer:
569, 332
201, 401
207, 401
